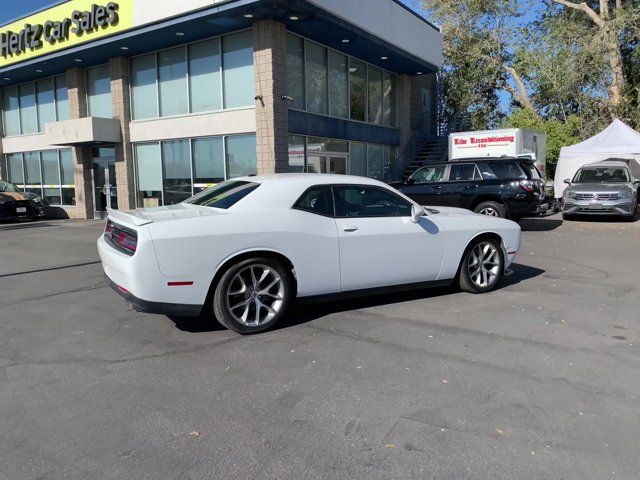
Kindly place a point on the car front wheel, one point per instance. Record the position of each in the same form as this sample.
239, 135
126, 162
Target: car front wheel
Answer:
491, 209
252, 295
482, 266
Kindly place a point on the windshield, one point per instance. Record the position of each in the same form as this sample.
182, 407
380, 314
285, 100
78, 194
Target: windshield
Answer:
8, 187
223, 195
602, 175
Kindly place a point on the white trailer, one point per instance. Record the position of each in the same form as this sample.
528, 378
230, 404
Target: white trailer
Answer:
509, 142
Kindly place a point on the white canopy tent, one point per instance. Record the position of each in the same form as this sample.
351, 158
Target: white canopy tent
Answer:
618, 140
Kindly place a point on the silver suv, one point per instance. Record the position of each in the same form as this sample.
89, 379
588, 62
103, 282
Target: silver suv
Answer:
609, 187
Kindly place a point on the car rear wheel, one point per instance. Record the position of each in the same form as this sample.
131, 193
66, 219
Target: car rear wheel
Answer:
252, 295
491, 209
482, 267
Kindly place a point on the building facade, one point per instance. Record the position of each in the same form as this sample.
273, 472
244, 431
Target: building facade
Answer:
142, 103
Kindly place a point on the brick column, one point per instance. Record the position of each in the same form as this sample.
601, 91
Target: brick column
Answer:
404, 110
77, 88
120, 95
272, 112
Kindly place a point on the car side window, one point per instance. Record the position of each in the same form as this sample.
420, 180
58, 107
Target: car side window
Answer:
429, 174
369, 201
318, 200
464, 172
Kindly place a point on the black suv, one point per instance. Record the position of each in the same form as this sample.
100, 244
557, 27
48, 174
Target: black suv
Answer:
504, 187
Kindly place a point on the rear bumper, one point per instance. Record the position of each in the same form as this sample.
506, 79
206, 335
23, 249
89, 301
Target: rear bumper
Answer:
145, 306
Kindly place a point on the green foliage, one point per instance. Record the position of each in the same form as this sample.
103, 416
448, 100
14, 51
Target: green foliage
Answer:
560, 133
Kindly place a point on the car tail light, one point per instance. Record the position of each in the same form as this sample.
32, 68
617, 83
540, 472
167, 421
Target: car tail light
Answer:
121, 238
528, 185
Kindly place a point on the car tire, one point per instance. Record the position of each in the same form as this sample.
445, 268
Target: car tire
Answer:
482, 266
567, 216
491, 209
239, 303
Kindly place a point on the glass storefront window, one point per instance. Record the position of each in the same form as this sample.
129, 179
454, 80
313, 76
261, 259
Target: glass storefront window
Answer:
28, 116
316, 77
49, 173
11, 111
358, 159
358, 89
241, 156
375, 161
176, 171
389, 99
237, 58
375, 95
62, 98
149, 173
143, 87
338, 85
16, 173
46, 102
32, 169
296, 153
99, 92
27, 108
204, 76
172, 75
295, 71
169, 171
208, 162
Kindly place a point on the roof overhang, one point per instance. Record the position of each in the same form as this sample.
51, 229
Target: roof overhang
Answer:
386, 29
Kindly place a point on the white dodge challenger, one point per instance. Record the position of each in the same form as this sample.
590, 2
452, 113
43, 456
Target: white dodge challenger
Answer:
246, 248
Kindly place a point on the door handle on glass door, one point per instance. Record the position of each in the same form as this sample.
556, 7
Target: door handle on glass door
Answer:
350, 228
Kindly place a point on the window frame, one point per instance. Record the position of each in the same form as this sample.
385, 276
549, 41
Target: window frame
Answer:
35, 87
329, 187
349, 59
186, 46
375, 187
191, 141
59, 186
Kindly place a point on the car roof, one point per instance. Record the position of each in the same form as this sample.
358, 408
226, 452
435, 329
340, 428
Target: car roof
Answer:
607, 164
310, 179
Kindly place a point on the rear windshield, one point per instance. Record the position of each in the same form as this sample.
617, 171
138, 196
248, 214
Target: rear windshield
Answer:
503, 170
8, 187
224, 195
602, 175
531, 169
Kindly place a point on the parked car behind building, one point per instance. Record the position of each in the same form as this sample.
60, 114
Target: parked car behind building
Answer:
16, 204
506, 187
609, 187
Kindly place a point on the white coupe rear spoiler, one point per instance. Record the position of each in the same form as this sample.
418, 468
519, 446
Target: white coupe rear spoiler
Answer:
130, 217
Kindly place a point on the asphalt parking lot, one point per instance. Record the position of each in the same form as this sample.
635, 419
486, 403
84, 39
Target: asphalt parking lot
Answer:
538, 380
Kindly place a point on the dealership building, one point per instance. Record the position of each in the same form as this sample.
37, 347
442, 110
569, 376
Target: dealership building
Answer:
141, 103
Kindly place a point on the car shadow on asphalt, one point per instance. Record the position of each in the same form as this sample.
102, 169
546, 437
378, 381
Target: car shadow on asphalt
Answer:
22, 226
304, 312
539, 224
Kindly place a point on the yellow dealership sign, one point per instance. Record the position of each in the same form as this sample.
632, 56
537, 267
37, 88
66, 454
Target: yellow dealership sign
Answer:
69, 24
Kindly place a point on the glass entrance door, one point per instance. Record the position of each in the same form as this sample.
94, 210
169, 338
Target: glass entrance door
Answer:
105, 194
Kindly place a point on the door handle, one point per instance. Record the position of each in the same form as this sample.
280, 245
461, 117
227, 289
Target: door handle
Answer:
469, 187
437, 187
350, 228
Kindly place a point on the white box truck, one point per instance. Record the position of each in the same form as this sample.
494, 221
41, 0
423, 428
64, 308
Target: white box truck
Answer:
509, 142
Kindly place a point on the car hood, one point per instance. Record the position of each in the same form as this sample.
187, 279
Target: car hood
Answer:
599, 187
448, 211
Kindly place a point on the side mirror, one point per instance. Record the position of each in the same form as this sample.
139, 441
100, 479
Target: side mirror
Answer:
416, 212
410, 181
567, 181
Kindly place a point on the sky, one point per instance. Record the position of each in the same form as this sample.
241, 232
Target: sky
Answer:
13, 9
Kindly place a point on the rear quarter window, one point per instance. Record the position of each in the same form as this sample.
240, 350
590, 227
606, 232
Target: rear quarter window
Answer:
506, 170
532, 170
